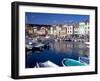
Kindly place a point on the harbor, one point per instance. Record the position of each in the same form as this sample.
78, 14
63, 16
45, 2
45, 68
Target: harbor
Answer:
56, 53
56, 40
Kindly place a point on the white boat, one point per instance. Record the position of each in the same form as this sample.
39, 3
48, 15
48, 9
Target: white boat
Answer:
88, 43
47, 37
29, 46
46, 64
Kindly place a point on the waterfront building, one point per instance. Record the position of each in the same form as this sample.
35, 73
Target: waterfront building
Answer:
87, 28
76, 29
58, 30
42, 31
70, 30
87, 31
51, 30
63, 31
84, 28
54, 30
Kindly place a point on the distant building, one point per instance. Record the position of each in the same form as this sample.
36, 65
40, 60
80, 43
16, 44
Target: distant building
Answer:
42, 32
87, 28
53, 30
84, 28
70, 30
76, 29
59, 30
34, 30
63, 31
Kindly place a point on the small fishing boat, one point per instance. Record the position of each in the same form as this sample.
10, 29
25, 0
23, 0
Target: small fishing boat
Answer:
71, 62
46, 64
84, 60
87, 44
29, 46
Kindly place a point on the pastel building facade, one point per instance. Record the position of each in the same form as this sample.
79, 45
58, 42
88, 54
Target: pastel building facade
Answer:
76, 29
84, 28
70, 30
87, 28
62, 30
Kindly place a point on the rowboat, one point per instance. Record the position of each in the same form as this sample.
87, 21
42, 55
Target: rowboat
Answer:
71, 62
84, 60
46, 64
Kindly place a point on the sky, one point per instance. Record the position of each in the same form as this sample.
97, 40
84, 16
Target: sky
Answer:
51, 18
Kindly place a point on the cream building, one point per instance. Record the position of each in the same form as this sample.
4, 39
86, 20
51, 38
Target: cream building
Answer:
76, 29
69, 29
63, 31
84, 28
87, 28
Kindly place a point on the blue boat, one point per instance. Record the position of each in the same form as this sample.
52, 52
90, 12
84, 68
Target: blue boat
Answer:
72, 62
84, 60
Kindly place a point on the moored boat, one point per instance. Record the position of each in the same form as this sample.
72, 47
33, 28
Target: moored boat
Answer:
84, 60
87, 44
71, 62
46, 64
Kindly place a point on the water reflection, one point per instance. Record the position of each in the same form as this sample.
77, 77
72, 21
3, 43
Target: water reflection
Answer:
70, 47
57, 52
